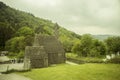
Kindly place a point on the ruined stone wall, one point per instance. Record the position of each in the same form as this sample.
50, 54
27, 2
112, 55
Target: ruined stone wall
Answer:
35, 57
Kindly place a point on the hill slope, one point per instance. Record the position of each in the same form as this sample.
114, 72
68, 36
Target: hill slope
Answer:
11, 20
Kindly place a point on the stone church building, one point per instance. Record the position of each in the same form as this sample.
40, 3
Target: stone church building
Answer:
46, 50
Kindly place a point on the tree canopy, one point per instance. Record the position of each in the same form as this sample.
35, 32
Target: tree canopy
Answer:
89, 46
113, 44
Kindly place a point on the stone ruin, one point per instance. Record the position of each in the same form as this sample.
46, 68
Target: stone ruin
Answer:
46, 50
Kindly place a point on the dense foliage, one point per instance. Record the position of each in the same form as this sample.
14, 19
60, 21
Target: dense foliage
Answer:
89, 46
113, 44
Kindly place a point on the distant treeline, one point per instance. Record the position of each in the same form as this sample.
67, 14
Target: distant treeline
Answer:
92, 47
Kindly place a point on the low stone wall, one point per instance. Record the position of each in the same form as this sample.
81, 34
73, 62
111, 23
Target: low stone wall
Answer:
81, 61
75, 61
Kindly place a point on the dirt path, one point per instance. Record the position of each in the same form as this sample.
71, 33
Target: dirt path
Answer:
71, 63
13, 76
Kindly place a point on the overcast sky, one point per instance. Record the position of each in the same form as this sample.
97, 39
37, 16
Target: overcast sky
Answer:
80, 16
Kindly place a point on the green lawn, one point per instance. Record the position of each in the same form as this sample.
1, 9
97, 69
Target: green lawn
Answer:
76, 72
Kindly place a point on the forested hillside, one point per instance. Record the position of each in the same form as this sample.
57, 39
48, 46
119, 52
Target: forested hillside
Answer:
17, 30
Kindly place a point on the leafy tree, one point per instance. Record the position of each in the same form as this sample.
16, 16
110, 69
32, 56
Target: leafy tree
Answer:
47, 30
6, 32
20, 55
67, 44
76, 48
67, 38
113, 44
16, 44
86, 45
98, 48
24, 31
83, 46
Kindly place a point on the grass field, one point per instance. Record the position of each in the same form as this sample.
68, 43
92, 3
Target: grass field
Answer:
76, 72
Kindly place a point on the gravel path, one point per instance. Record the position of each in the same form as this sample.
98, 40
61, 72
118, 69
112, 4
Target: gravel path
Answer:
13, 76
17, 66
4, 67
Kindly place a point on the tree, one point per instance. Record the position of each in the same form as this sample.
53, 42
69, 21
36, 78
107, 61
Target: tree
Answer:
67, 43
113, 44
86, 45
76, 48
98, 48
6, 32
16, 44
24, 31
83, 46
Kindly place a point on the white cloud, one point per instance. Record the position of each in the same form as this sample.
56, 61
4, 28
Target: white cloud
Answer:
91, 30
42, 3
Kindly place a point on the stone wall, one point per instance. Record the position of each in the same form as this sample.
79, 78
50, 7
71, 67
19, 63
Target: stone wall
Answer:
35, 57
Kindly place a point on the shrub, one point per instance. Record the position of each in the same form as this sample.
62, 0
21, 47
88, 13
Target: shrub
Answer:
114, 60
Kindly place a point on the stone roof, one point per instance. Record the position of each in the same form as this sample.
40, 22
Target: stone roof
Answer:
35, 52
50, 43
